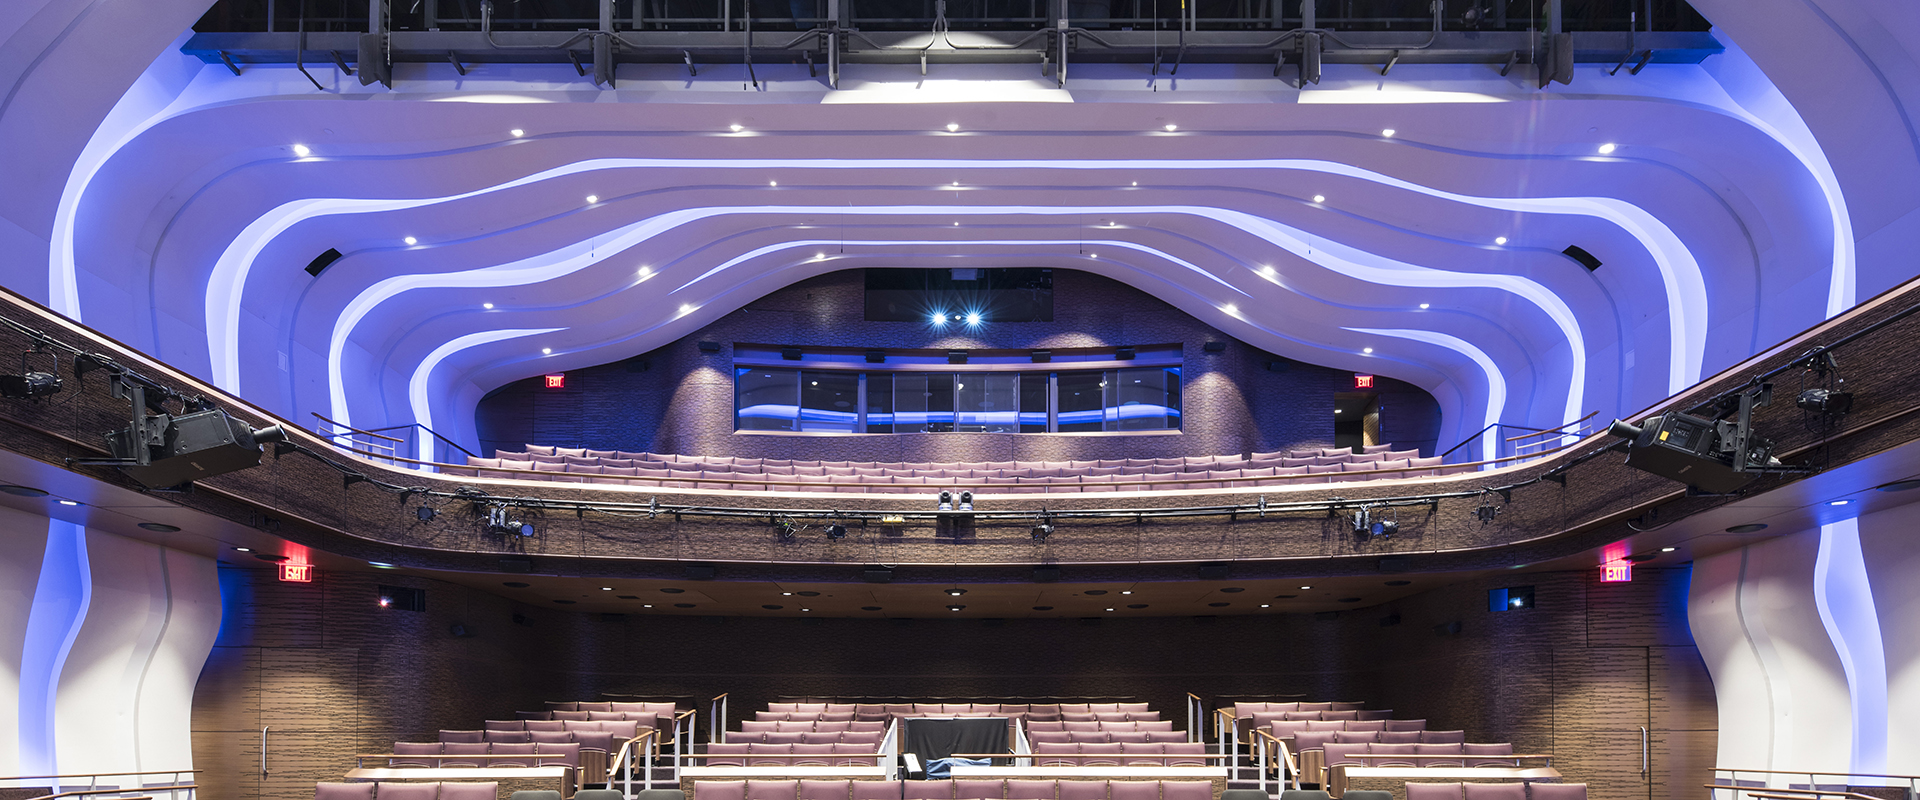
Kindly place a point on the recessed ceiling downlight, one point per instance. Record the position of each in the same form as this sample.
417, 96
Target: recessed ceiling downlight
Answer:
22, 491
1751, 527
159, 527
1899, 486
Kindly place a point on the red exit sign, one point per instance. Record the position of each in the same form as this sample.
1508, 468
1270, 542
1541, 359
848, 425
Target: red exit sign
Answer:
1616, 572
1363, 381
557, 381
296, 573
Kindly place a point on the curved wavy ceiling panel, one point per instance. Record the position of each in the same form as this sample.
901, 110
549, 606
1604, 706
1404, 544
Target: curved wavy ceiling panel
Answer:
1299, 229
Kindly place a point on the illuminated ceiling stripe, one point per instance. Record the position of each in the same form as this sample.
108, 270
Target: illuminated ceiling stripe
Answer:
1680, 272
565, 261
1496, 382
417, 385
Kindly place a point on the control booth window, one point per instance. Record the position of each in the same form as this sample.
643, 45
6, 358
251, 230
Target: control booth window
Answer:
1026, 397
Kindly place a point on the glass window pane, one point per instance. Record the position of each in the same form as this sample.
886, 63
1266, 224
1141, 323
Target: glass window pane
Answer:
1080, 406
1147, 398
765, 399
879, 403
923, 402
988, 402
1033, 402
827, 401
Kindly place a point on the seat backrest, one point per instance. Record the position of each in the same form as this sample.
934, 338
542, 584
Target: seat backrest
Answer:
1153, 725
1300, 715
1398, 737
1340, 753
1376, 713
979, 790
462, 749
783, 737
719, 790
553, 755
1339, 715
1133, 790
876, 790
1496, 791
1406, 724
1433, 791
551, 737
1186, 790
1046, 725
1142, 754
1051, 737
1109, 753
1371, 725
1078, 716
543, 725
1283, 728
463, 736
812, 755
1558, 791
508, 749
425, 790
342, 791
824, 790
1319, 725
507, 724
926, 790
1165, 736
1403, 755
1193, 753
1031, 790
415, 749
1128, 737
845, 752
510, 737
1316, 706
1081, 790
731, 754
1443, 737
594, 741
1355, 736
1312, 740
769, 755
1494, 749
472, 790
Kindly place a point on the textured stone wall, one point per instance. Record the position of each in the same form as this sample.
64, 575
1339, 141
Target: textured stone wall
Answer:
683, 401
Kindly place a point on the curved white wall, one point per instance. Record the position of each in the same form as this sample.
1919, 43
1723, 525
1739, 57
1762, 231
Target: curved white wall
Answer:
100, 654
1812, 647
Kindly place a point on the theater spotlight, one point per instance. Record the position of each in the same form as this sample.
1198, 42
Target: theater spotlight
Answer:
423, 513
499, 521
30, 384
1820, 401
1043, 529
1359, 520
836, 531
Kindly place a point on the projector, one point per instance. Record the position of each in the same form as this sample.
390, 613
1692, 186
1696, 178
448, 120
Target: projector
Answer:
1685, 448
189, 447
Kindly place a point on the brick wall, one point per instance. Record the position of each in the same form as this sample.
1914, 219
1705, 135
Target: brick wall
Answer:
683, 400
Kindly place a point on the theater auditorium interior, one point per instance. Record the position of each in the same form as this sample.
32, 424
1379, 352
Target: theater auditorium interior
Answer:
959, 399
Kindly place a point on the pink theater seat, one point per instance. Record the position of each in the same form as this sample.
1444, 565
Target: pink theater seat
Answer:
926, 790
820, 737
408, 791
1041, 751
1313, 740
1338, 753
874, 790
343, 791
823, 790
510, 737
1031, 790
1443, 737
719, 790
1433, 791
550, 737
1438, 755
470, 791
1082, 790
1163, 737
772, 790
1381, 714
730, 754
1049, 737
847, 754
1128, 737
459, 749
1134, 790
463, 736
1495, 791
1186, 790
1140, 754
1398, 737
979, 790
1556, 791
415, 749
1109, 755
1402, 755
1187, 754
1488, 755
553, 755
1406, 724
812, 755
1341, 716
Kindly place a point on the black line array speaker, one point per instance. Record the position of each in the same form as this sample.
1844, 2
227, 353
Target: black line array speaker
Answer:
1585, 258
322, 261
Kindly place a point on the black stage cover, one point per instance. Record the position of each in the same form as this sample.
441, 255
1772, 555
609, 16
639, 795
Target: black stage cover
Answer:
931, 738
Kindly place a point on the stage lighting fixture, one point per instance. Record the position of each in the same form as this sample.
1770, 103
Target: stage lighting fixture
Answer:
946, 500
1360, 526
973, 318
966, 501
785, 530
1043, 529
164, 450
876, 356
499, 521
1822, 401
956, 356
836, 531
1386, 528
29, 383
424, 513
1715, 456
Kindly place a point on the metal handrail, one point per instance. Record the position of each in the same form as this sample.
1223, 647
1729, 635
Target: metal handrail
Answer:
1590, 415
1531, 431
100, 774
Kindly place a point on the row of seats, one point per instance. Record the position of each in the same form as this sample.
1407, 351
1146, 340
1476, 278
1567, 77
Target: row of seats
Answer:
1260, 719
1531, 790
530, 754
882, 712
868, 738
603, 741
1248, 709
1115, 754
1420, 755
952, 790
407, 790
756, 754
1291, 458
1098, 725
1282, 729
664, 710
1096, 737
645, 718
628, 728
804, 726
1316, 740
581, 465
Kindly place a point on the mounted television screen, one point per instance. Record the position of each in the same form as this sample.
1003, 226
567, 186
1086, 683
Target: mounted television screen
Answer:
997, 295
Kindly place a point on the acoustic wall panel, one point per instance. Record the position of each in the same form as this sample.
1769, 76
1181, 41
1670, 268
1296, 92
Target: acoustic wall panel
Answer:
23, 540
